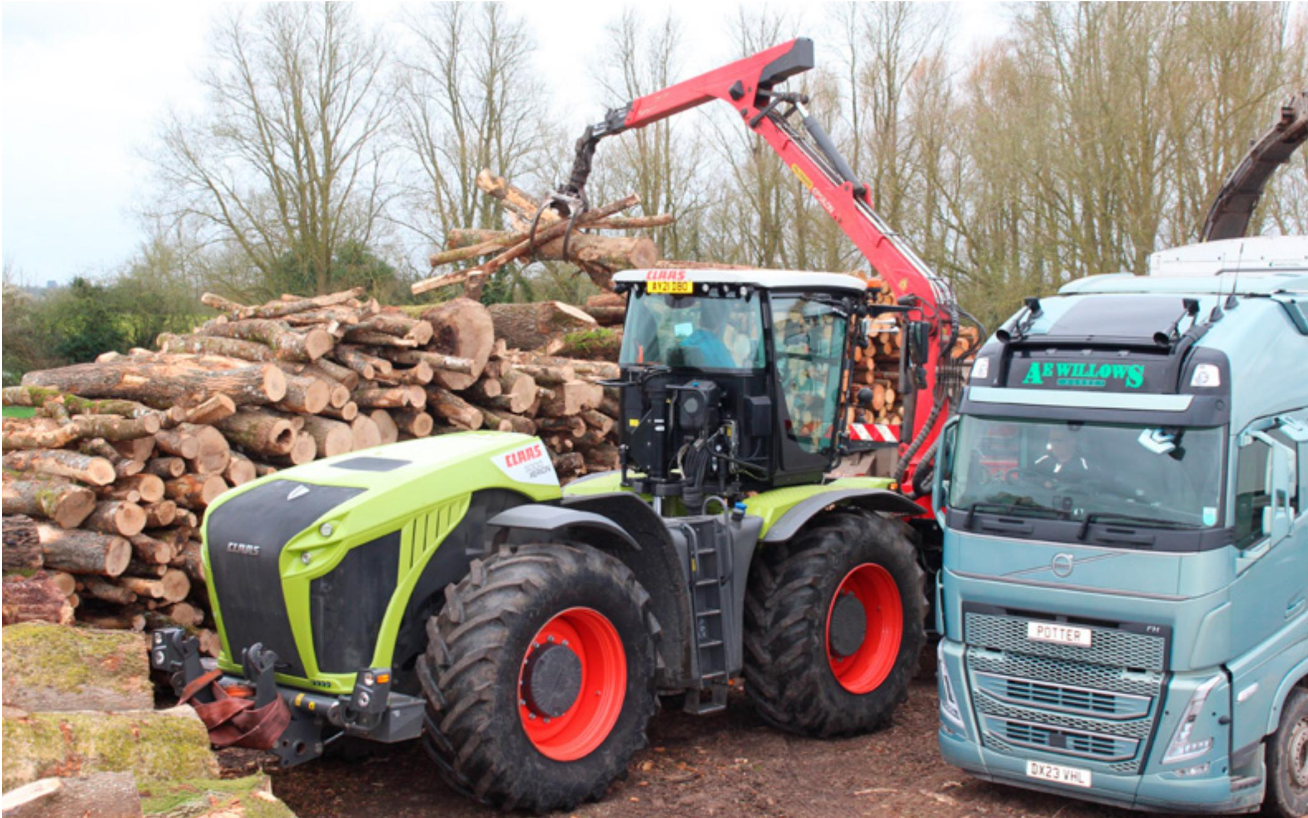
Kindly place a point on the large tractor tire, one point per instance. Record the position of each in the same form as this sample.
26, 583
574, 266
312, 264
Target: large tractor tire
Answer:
539, 677
835, 620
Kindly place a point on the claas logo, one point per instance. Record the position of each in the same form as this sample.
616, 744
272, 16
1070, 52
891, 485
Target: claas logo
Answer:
666, 275
523, 456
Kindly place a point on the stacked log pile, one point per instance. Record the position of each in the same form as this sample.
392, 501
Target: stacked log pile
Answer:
105, 487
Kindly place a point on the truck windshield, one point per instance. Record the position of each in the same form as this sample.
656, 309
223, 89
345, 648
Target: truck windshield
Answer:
1137, 475
694, 331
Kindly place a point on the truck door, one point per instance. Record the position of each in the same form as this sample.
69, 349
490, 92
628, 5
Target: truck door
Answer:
1269, 597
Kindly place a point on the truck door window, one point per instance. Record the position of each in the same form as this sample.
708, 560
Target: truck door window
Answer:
1252, 476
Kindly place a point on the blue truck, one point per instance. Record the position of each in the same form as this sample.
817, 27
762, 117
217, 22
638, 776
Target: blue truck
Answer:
1123, 595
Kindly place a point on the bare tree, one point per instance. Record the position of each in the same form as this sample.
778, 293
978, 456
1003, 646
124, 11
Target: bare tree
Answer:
287, 161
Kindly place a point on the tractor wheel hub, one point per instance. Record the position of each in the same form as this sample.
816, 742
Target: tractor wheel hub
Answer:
848, 625
551, 680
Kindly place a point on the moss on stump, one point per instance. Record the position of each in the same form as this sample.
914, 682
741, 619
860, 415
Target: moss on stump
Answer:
195, 798
53, 667
155, 745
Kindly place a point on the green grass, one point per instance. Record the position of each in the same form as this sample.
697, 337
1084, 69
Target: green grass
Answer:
19, 411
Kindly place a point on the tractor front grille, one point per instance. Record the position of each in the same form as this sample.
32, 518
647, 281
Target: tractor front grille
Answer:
1098, 704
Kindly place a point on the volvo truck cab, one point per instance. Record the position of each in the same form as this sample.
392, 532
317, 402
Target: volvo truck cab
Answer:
1124, 591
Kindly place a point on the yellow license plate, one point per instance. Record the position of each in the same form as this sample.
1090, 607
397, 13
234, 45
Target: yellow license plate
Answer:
670, 287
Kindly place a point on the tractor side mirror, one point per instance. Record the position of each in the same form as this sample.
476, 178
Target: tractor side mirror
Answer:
918, 336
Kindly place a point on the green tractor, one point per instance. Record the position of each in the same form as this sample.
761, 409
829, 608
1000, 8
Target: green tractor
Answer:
447, 588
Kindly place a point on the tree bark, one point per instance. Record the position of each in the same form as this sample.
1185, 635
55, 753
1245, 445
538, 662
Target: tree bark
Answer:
164, 382
37, 433
461, 328
22, 545
278, 309
532, 325
214, 345
34, 599
84, 552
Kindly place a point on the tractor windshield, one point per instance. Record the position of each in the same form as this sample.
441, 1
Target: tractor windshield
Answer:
694, 331
1136, 475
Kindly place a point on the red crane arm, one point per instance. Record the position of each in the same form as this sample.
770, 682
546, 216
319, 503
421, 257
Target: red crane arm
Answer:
748, 86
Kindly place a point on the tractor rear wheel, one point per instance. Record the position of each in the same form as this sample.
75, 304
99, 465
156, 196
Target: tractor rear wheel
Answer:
835, 620
539, 677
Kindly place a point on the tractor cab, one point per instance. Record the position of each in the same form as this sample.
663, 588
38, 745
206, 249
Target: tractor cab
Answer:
732, 379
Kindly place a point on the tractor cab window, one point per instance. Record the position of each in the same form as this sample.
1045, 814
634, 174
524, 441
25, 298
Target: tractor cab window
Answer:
809, 336
723, 332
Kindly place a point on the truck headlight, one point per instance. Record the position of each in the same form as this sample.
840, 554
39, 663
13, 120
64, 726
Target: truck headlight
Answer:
949, 709
1184, 746
1207, 375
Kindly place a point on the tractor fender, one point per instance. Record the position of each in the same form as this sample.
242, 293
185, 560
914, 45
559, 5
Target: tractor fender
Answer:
876, 500
539, 521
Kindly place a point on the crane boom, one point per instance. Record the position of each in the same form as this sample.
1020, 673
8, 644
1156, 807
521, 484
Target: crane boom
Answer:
748, 85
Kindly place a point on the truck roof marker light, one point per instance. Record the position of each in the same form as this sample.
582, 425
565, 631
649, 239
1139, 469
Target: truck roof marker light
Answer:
1183, 746
1206, 376
981, 369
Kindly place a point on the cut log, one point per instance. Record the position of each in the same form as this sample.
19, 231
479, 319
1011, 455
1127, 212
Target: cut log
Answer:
37, 433
116, 517
531, 325
212, 410
166, 467
177, 442
395, 397
419, 375
259, 433
103, 589
149, 550
62, 463
214, 345
104, 795
485, 389
185, 614
127, 619
239, 470
365, 431
361, 363
329, 369
347, 412
393, 324
330, 437
160, 514
413, 421
445, 404
166, 382
173, 586
385, 426
84, 552
278, 336
612, 252
307, 395
140, 449
548, 375
598, 421
570, 398
571, 425
518, 391
195, 491
113, 427
32, 599
516, 423
191, 562
494, 422
52, 498
435, 360
22, 545
123, 467
461, 328
303, 450
278, 309
145, 488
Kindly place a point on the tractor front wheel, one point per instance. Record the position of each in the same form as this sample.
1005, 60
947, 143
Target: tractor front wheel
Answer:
539, 677
835, 620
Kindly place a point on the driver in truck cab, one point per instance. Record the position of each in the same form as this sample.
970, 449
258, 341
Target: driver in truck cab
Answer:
1063, 460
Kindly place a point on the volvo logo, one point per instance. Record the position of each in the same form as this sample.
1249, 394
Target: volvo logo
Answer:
245, 549
1062, 565
298, 491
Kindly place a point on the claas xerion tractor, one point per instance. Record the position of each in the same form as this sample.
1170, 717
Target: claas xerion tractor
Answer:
448, 588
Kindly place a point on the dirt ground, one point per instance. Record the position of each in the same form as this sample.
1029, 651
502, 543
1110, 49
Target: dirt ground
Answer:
725, 765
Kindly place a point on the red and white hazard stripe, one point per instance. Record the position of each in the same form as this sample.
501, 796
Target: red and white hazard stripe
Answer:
874, 432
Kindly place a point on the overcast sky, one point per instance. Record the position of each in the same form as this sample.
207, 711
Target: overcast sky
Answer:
84, 85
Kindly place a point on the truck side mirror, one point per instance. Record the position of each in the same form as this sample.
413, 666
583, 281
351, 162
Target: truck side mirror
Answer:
918, 338
944, 466
1281, 478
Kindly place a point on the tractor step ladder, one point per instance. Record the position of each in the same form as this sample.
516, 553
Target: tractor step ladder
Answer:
709, 566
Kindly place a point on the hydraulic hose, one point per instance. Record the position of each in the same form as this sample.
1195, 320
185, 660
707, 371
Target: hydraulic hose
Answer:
938, 399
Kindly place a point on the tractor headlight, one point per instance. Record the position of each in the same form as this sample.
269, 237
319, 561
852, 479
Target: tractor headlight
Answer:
1184, 746
949, 709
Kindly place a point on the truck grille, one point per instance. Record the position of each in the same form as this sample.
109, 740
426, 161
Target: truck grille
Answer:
1098, 703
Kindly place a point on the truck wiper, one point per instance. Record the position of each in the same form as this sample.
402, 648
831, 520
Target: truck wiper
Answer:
1010, 508
1146, 522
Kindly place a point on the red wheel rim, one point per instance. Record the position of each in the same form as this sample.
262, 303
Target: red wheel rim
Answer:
868, 666
587, 722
